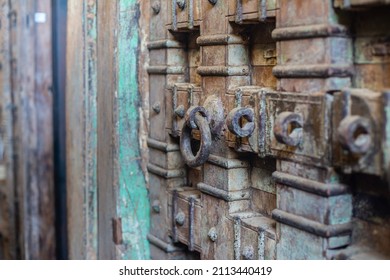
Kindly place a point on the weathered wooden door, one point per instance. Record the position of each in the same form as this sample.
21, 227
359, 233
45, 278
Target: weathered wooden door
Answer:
269, 131
228, 129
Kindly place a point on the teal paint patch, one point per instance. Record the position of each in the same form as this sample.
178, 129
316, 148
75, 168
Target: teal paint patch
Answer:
133, 203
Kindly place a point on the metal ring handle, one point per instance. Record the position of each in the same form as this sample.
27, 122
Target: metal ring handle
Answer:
355, 134
233, 121
288, 128
205, 142
192, 112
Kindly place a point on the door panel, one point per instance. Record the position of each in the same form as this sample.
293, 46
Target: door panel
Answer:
271, 127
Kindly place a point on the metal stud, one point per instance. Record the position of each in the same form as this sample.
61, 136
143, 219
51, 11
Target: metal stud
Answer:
156, 7
181, 4
213, 235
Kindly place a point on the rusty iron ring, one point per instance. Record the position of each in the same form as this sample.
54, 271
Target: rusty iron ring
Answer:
192, 112
282, 128
205, 142
355, 134
233, 121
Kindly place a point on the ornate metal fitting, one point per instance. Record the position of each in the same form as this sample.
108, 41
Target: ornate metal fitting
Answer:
209, 121
288, 128
234, 118
196, 117
355, 134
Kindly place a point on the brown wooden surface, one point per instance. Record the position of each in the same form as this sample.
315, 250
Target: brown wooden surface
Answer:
8, 238
28, 129
106, 77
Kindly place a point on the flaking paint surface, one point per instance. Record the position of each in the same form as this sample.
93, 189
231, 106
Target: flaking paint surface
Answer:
133, 204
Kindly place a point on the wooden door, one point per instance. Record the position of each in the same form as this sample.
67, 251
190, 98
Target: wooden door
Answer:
268, 134
238, 129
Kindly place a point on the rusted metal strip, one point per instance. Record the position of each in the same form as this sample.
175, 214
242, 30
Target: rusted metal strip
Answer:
262, 124
168, 174
165, 44
174, 212
238, 19
309, 31
346, 109
174, 15
311, 186
223, 70
261, 244
227, 163
237, 238
225, 195
117, 231
313, 71
166, 247
191, 14
162, 146
191, 226
163, 70
263, 10
311, 226
220, 39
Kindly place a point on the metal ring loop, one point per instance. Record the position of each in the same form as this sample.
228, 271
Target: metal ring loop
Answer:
233, 121
192, 112
205, 142
355, 134
288, 128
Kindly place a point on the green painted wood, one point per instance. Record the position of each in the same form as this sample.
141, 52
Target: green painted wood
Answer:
133, 203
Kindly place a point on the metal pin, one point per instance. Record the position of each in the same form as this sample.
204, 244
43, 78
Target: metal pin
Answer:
237, 238
191, 228
174, 211
261, 244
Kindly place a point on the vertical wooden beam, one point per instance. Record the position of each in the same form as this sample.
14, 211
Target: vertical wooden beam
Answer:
133, 203
32, 143
8, 238
107, 149
121, 183
81, 118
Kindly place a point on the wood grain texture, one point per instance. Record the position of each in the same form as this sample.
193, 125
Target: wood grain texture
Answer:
107, 89
28, 130
8, 238
81, 117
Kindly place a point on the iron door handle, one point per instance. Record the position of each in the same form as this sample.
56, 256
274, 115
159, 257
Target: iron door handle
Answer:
355, 134
233, 121
288, 128
196, 117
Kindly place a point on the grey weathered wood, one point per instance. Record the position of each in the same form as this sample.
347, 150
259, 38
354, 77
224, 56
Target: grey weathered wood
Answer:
81, 117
